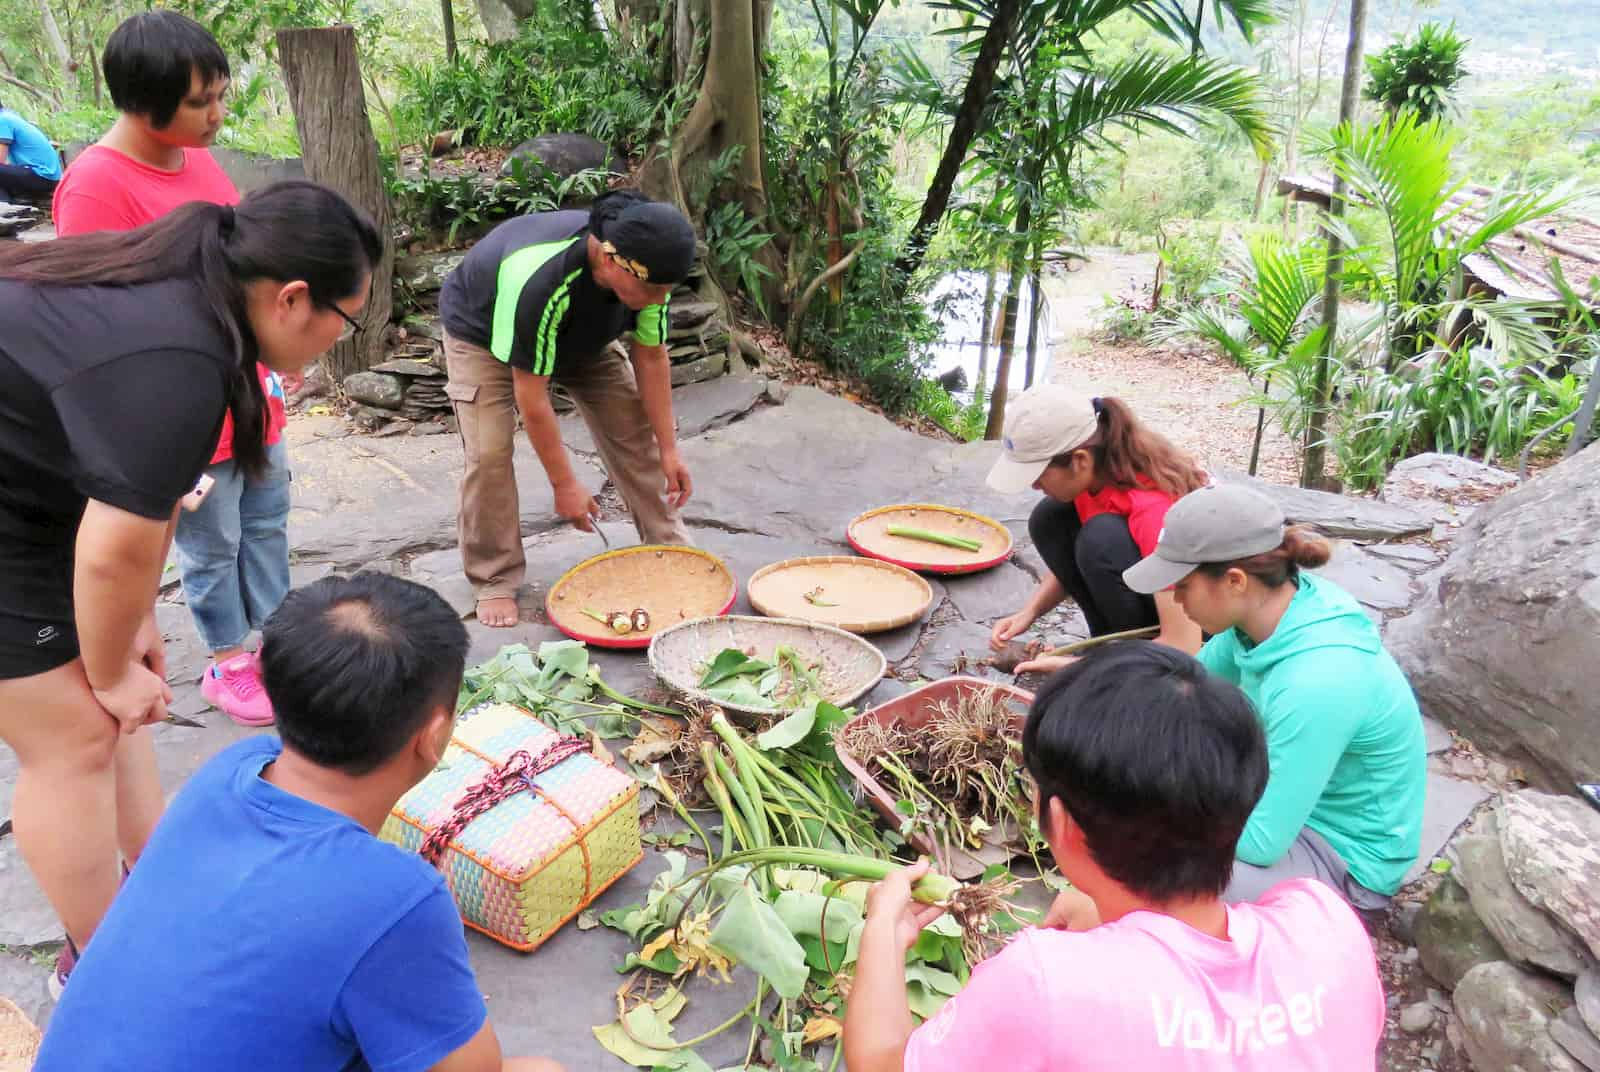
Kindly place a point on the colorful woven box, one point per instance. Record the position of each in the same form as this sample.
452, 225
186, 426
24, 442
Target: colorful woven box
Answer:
537, 828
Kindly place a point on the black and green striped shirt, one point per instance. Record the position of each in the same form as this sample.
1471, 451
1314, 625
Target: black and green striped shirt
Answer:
525, 294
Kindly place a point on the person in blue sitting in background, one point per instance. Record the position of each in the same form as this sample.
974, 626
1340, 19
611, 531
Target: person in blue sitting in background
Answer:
30, 167
266, 926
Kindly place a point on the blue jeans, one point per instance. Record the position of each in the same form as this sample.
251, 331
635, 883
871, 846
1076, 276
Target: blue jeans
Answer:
233, 552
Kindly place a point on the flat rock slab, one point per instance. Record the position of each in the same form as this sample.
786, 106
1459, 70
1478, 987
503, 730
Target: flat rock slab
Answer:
360, 499
696, 406
25, 983
807, 467
1449, 803
1374, 582
994, 593
26, 918
547, 1002
1411, 556
955, 649
1338, 515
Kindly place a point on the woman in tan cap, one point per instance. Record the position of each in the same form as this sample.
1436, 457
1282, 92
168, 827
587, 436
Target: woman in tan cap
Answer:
1108, 482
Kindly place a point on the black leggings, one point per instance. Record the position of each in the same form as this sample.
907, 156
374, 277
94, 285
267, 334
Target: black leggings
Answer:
18, 183
1088, 560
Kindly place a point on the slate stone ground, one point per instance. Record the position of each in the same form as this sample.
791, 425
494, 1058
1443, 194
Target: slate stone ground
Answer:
778, 473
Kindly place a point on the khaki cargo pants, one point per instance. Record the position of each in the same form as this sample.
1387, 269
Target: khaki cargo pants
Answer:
607, 396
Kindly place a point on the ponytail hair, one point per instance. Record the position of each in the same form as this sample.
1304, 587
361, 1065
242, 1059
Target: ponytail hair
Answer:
1128, 450
609, 205
289, 231
1301, 549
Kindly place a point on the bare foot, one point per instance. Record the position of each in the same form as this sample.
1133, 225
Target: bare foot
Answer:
498, 613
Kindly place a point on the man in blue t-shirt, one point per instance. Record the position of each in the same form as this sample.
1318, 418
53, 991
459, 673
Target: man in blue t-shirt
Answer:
265, 926
30, 167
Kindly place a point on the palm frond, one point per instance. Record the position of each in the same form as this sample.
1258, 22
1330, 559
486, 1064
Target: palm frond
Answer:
1163, 94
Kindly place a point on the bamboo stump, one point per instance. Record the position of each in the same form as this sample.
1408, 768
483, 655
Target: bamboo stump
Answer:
323, 72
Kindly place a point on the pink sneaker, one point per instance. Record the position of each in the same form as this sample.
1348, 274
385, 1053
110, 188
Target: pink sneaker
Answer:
235, 687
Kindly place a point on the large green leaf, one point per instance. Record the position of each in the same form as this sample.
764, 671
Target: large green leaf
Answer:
752, 933
814, 915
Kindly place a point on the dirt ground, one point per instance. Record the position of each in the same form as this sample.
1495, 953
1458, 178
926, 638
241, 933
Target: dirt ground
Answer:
1189, 394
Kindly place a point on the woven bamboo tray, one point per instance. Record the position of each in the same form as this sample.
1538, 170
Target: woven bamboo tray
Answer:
912, 711
19, 1039
849, 666
868, 535
536, 859
672, 584
868, 595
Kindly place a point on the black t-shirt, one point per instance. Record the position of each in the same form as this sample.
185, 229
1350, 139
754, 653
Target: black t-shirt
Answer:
108, 393
525, 293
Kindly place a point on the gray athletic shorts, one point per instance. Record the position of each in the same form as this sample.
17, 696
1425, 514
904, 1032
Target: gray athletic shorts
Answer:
1309, 857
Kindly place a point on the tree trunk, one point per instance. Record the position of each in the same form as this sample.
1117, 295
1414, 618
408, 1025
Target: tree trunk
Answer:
1315, 460
323, 73
1035, 318
1008, 332
974, 99
447, 12
58, 44
1261, 191
727, 112
502, 18
988, 330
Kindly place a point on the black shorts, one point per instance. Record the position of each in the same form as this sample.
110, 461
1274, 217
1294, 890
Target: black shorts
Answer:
30, 646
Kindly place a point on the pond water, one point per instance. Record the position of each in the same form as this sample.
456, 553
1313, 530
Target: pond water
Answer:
956, 302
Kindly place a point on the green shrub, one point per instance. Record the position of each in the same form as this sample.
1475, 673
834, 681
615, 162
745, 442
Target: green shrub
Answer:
557, 76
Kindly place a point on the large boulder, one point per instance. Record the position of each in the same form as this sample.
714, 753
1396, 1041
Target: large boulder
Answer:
1451, 939
1552, 852
1525, 931
564, 154
1505, 1016
1446, 486
1506, 647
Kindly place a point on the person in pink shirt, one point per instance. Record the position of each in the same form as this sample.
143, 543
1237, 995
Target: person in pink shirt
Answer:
1147, 769
168, 78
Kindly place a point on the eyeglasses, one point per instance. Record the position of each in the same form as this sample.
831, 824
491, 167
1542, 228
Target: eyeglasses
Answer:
354, 324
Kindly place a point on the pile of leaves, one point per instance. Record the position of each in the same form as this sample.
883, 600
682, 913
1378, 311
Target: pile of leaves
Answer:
785, 682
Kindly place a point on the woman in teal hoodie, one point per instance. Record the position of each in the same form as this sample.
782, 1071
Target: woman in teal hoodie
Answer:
1344, 736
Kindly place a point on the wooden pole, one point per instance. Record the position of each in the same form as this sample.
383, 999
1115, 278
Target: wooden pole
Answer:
448, 12
1315, 460
323, 73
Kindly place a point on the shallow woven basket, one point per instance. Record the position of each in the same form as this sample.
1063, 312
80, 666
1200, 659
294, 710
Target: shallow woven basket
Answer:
868, 534
870, 595
535, 860
849, 666
19, 1039
672, 584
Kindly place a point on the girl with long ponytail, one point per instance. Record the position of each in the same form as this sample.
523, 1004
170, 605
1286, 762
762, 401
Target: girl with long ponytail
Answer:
121, 354
1108, 481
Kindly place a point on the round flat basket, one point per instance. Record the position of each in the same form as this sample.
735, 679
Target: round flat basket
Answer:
672, 584
19, 1039
869, 534
863, 595
847, 666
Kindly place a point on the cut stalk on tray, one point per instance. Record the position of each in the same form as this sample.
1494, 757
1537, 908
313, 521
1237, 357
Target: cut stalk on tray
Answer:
961, 543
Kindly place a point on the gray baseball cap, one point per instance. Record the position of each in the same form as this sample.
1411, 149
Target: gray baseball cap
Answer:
1215, 524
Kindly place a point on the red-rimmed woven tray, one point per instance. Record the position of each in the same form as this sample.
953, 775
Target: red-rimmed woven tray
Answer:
672, 584
868, 536
913, 710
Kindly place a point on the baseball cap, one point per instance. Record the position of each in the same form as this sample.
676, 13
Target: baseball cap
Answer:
653, 240
1215, 524
1046, 421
